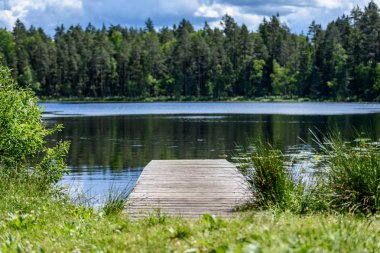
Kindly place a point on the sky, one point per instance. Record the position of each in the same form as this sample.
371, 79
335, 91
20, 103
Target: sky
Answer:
48, 14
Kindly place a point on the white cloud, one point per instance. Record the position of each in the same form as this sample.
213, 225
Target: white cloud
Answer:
210, 11
216, 11
48, 14
7, 18
331, 4
177, 7
296, 14
29, 10
73, 4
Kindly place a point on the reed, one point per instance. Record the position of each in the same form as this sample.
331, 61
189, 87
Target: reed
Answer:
352, 173
271, 182
116, 200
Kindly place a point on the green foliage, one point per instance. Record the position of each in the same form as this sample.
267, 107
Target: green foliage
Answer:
7, 48
33, 219
352, 174
210, 222
46, 217
336, 63
21, 130
22, 133
346, 177
116, 201
179, 232
341, 77
53, 164
280, 79
256, 76
376, 85
271, 183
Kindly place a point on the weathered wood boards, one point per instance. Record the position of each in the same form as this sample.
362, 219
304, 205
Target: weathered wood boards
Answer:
188, 188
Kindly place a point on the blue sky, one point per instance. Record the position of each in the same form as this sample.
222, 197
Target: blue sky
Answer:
48, 14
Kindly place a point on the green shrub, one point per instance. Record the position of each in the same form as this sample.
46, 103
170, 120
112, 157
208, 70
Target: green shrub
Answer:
22, 135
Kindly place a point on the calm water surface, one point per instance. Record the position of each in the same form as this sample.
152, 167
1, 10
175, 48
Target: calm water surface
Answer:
116, 109
111, 143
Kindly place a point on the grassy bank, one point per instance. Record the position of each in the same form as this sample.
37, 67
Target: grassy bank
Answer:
344, 176
340, 213
45, 221
286, 217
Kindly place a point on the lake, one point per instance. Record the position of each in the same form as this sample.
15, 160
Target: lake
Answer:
112, 142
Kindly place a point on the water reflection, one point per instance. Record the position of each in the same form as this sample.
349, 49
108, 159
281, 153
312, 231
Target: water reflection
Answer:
113, 149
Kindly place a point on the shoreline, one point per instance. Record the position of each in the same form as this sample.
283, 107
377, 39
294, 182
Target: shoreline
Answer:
187, 99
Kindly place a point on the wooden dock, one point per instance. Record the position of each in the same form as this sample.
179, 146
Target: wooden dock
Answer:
188, 188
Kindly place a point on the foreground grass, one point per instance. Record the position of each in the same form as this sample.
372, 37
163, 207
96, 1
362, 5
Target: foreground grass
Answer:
47, 221
261, 232
38, 218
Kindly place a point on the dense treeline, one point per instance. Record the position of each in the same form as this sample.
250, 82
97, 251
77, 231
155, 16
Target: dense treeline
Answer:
341, 62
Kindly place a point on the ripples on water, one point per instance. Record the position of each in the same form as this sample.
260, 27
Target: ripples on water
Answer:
114, 109
111, 145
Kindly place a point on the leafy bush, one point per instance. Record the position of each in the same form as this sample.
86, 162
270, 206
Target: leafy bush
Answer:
22, 133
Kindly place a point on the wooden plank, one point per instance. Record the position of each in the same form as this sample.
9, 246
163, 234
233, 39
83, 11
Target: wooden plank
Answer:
186, 204
187, 200
173, 183
206, 190
191, 161
188, 188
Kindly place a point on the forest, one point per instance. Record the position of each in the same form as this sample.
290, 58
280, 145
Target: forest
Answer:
340, 62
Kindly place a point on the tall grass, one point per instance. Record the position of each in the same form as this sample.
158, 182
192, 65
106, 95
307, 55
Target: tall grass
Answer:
271, 183
352, 173
346, 180
116, 200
